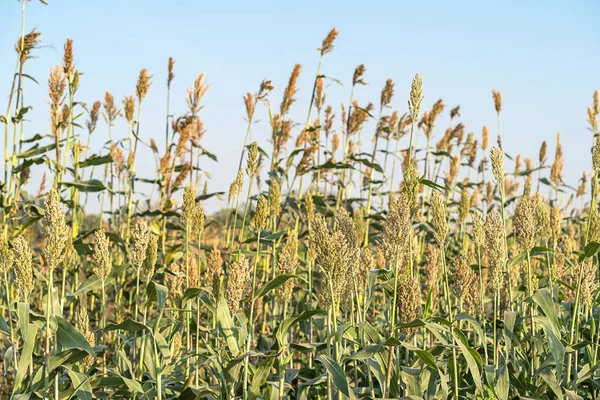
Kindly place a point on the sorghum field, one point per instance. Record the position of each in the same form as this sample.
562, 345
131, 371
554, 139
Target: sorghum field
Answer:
413, 261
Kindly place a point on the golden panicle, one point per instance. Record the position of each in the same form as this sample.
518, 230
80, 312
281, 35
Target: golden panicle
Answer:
497, 96
56, 90
238, 282
287, 262
261, 215
454, 168
581, 189
524, 223
542, 217
542, 156
176, 343
410, 187
478, 232
416, 97
409, 302
439, 218
592, 119
265, 88
151, 258
140, 236
82, 324
6, 256
236, 186
358, 117
290, 90
111, 112
387, 93
485, 137
93, 117
556, 172
489, 192
170, 73
589, 284
143, 85
198, 221
26, 44
432, 270
252, 163
497, 159
319, 94
249, 104
334, 258
596, 155
597, 101
175, 282
455, 112
358, 74
529, 165
129, 107
335, 143
464, 205
101, 256
466, 283
56, 230
359, 223
214, 266
396, 230
306, 162
274, 198
196, 93
327, 45
183, 174
188, 204
22, 256
496, 249
68, 58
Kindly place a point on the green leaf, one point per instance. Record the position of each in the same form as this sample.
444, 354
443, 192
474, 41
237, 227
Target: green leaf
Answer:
226, 325
189, 294
81, 384
472, 364
337, 375
589, 250
96, 160
70, 338
274, 284
36, 150
432, 184
91, 186
260, 376
157, 293
25, 358
128, 325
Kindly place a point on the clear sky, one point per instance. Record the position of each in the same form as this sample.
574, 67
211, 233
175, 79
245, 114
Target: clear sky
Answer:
543, 55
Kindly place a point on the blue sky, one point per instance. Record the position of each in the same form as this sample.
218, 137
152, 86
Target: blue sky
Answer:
542, 55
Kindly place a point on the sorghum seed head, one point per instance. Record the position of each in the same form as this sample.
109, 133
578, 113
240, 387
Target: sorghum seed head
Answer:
140, 236
102, 261
151, 257
261, 214
495, 248
143, 84
57, 232
524, 222
497, 96
439, 218
497, 159
23, 267
327, 45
